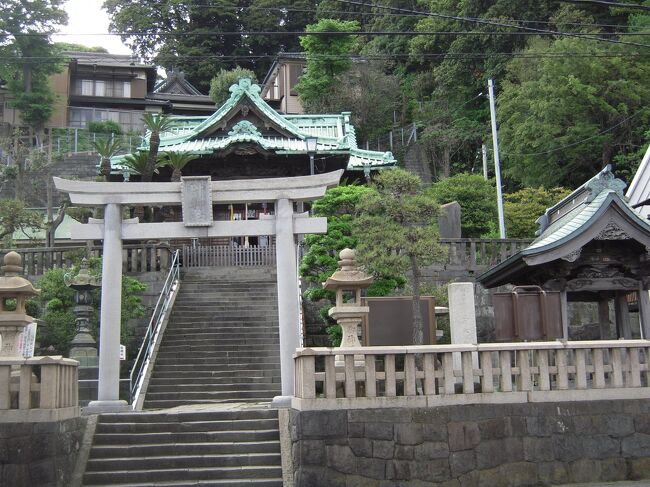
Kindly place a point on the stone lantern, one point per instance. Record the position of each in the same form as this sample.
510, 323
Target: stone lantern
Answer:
83, 346
13, 286
348, 282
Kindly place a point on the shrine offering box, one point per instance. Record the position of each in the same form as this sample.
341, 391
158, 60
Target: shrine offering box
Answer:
527, 313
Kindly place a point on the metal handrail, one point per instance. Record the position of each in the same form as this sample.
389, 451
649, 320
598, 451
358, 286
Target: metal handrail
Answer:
160, 312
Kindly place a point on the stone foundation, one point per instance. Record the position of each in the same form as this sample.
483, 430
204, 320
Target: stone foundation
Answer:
485, 445
39, 454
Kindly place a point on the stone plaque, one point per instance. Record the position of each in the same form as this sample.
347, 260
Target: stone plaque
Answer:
196, 194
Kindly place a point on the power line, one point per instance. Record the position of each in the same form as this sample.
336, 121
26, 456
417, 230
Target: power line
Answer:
634, 6
371, 57
244, 33
573, 144
492, 23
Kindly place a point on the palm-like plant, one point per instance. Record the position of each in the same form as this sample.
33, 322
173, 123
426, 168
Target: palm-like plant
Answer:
177, 161
107, 148
156, 124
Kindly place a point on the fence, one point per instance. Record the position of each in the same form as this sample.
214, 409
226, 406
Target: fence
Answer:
53, 397
226, 255
470, 254
395, 139
486, 373
135, 258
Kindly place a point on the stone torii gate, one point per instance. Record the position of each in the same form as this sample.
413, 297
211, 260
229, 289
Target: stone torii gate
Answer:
196, 194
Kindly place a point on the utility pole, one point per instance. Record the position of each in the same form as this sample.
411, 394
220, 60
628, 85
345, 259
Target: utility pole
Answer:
497, 164
485, 168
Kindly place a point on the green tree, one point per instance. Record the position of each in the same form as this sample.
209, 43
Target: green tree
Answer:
224, 79
524, 207
327, 58
321, 259
476, 197
56, 302
106, 148
177, 161
564, 117
14, 216
397, 232
28, 57
156, 124
201, 38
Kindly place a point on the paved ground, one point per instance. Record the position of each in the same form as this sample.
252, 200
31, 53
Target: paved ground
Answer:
625, 483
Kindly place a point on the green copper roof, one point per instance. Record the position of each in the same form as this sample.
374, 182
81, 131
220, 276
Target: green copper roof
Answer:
282, 134
569, 218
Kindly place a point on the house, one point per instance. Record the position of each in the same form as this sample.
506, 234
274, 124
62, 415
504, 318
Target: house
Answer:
96, 86
279, 85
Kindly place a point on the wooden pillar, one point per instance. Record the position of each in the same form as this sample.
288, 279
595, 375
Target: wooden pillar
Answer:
603, 318
644, 311
622, 315
564, 310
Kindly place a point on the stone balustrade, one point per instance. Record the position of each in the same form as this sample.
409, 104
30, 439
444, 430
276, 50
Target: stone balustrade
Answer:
425, 376
38, 389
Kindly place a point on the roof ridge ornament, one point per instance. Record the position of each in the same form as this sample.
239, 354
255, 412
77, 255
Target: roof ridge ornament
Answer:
244, 86
244, 127
605, 180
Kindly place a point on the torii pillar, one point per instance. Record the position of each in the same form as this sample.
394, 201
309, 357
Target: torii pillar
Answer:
196, 194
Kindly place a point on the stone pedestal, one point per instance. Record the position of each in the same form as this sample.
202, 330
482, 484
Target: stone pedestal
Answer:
462, 318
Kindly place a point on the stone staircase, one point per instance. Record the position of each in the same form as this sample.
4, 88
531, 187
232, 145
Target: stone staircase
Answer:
222, 341
219, 358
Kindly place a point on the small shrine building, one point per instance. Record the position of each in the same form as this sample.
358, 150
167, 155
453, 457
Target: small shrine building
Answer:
592, 247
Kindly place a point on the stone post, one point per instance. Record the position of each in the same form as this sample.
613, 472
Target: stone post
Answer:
108, 396
462, 318
288, 307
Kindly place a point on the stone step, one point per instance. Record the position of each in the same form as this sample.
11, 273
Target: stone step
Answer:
172, 403
225, 362
198, 448
197, 426
208, 325
211, 380
166, 474
157, 387
185, 437
190, 416
235, 369
204, 483
215, 349
183, 461
212, 395
231, 340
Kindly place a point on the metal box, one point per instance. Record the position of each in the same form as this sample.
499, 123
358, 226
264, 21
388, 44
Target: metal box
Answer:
527, 313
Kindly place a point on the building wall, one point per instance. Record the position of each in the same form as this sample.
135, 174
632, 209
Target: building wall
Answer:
486, 445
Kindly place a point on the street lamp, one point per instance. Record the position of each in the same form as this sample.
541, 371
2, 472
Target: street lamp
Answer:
310, 144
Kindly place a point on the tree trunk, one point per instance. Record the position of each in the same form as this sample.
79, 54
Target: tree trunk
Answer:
176, 176
154, 143
105, 168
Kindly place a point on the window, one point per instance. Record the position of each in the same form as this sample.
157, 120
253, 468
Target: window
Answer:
100, 88
87, 87
126, 91
295, 70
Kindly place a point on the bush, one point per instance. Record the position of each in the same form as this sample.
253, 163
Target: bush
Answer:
105, 127
221, 83
524, 207
477, 199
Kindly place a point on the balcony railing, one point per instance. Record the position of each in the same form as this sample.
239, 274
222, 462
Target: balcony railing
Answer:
426, 376
38, 389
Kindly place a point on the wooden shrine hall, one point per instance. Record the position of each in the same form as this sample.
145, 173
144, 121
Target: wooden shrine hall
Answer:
591, 247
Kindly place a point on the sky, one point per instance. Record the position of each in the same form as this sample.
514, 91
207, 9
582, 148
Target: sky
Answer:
87, 17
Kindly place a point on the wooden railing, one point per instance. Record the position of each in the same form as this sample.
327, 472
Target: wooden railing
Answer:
458, 374
135, 258
38, 389
226, 255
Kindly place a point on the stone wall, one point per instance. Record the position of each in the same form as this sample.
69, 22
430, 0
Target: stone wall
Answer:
39, 454
485, 445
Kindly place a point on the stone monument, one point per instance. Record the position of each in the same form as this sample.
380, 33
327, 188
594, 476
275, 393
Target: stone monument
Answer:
83, 347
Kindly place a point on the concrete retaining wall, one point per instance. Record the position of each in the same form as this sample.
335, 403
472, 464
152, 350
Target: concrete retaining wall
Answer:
472, 446
39, 454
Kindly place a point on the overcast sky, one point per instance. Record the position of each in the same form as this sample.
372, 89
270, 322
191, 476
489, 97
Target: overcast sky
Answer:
87, 17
